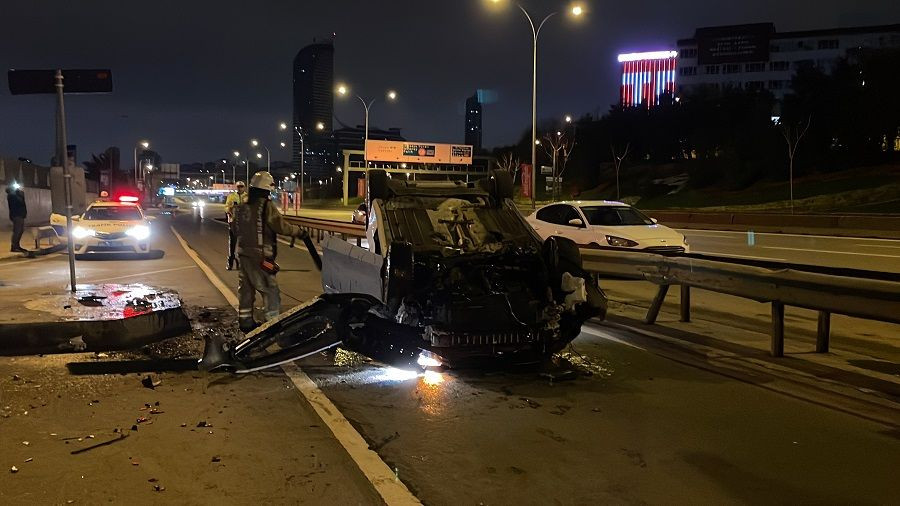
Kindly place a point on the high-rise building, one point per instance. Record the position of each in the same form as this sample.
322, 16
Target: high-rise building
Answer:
757, 57
314, 106
473, 120
646, 77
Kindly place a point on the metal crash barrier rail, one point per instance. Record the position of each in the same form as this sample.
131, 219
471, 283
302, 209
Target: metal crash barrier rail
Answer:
319, 228
862, 294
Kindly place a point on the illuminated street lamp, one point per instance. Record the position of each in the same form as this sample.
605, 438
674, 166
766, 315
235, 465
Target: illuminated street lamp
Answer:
142, 144
575, 10
256, 143
391, 95
246, 161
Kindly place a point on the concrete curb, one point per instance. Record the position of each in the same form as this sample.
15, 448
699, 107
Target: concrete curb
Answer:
80, 336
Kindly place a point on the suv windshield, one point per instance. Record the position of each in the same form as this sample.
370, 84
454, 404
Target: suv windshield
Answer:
614, 216
113, 213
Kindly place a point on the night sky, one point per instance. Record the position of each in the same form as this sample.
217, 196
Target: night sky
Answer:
200, 78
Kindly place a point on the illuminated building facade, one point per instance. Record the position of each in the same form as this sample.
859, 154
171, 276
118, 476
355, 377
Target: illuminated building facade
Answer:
646, 77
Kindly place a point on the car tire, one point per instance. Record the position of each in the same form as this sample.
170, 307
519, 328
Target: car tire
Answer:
378, 185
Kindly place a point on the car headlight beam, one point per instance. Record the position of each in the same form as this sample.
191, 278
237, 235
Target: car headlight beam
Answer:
81, 232
139, 232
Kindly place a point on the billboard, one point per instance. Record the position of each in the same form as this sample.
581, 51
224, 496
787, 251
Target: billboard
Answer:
418, 152
734, 44
646, 77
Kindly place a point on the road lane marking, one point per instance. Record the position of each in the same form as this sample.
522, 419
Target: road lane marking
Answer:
385, 482
776, 234
748, 257
147, 273
877, 246
829, 252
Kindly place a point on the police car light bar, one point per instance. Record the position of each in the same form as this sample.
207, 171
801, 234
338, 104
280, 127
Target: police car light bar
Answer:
128, 198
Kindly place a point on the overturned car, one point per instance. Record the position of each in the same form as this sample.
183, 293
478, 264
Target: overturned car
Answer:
453, 275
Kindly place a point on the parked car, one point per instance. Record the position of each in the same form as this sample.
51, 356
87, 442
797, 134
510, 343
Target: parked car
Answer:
606, 223
360, 215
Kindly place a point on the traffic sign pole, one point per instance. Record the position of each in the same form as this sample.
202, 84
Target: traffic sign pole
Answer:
63, 158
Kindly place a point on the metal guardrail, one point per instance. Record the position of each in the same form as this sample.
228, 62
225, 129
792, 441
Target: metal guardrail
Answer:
864, 294
319, 228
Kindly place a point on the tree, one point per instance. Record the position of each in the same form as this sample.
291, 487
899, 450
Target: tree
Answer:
617, 160
509, 162
557, 144
793, 134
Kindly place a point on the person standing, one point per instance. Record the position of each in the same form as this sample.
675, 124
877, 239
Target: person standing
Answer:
232, 202
258, 224
15, 198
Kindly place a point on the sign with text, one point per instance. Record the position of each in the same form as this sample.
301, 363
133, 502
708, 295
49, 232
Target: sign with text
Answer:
418, 152
734, 44
24, 82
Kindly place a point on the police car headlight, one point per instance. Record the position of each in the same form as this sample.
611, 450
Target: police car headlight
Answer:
139, 232
81, 232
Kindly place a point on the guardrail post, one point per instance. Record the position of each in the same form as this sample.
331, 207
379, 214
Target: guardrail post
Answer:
777, 329
685, 303
656, 305
824, 332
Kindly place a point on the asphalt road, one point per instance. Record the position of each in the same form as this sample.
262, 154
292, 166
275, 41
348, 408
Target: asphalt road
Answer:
852, 252
643, 428
638, 424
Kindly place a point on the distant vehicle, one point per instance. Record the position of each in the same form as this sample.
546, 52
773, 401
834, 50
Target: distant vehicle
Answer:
198, 204
360, 215
606, 223
112, 227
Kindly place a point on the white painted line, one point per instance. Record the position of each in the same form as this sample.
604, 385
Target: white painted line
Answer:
744, 232
829, 252
748, 257
147, 273
392, 491
876, 246
609, 337
213, 278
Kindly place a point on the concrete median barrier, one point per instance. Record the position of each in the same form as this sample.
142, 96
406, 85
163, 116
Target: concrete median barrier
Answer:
94, 318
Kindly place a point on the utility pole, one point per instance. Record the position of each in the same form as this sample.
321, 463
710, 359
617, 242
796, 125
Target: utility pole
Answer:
63, 157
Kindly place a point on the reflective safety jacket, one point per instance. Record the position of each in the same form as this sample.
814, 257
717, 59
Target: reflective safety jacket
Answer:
257, 225
232, 201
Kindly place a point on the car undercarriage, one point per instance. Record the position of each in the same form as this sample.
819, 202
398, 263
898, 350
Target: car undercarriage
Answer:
453, 276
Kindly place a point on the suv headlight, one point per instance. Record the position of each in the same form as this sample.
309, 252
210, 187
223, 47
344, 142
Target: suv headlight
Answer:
139, 232
620, 242
81, 232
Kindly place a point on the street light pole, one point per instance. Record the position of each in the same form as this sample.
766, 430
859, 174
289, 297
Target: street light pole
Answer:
255, 143
535, 32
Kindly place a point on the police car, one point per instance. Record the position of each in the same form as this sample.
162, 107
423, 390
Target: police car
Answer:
112, 227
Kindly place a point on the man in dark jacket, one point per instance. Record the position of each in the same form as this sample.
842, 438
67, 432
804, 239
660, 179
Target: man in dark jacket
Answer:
258, 224
15, 198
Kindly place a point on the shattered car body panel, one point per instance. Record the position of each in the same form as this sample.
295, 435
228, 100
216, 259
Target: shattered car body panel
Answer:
453, 272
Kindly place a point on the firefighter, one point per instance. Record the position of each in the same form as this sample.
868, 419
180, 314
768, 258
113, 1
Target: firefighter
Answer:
233, 201
258, 223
